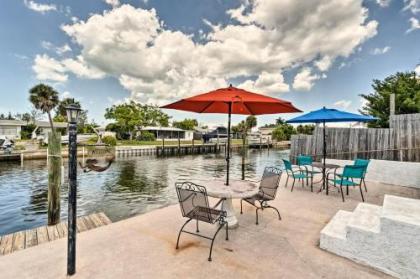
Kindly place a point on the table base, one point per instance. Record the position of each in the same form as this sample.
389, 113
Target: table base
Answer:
227, 206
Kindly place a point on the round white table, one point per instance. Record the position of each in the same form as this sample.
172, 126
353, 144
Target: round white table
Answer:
237, 189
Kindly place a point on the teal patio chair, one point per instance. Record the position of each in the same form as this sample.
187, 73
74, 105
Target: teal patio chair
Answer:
296, 172
347, 179
306, 161
363, 163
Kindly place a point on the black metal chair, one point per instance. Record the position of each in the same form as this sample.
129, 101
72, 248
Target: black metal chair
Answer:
268, 190
194, 204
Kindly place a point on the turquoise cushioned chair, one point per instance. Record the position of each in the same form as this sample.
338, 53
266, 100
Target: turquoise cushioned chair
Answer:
347, 178
296, 172
363, 163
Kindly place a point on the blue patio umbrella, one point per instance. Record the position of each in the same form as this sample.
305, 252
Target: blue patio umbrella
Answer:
326, 115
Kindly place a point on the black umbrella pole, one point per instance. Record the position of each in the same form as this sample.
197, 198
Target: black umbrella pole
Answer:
228, 145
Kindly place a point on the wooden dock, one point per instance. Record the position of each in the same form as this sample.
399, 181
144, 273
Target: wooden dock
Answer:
24, 239
188, 149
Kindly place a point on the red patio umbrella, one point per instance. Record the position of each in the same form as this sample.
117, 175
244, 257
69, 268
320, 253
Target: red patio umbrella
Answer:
232, 100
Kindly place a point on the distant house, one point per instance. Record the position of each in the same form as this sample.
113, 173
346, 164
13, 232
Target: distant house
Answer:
169, 133
216, 134
266, 133
11, 129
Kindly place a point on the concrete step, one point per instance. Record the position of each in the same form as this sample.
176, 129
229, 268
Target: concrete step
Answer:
366, 218
333, 235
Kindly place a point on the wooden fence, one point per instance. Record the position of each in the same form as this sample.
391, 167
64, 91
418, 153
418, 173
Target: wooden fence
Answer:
401, 142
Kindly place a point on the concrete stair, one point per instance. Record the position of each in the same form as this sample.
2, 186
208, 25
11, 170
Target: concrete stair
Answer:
385, 237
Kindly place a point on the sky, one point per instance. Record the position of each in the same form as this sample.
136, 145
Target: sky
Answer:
105, 52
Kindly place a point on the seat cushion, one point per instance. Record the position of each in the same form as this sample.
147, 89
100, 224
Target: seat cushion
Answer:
343, 182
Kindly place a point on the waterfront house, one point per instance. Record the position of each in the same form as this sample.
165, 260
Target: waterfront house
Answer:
169, 133
10, 129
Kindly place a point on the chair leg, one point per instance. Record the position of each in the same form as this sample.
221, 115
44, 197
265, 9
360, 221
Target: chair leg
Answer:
241, 206
361, 192
364, 184
269, 206
179, 234
347, 190
312, 183
303, 183
287, 180
212, 241
197, 226
342, 194
227, 230
256, 213
293, 184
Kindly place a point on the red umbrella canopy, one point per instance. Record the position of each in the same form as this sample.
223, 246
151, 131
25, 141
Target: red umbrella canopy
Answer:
243, 102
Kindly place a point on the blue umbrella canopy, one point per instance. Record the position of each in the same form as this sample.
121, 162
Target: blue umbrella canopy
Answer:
330, 115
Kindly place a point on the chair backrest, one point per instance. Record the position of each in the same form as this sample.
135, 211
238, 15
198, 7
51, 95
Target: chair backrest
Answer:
270, 182
351, 171
304, 160
287, 165
363, 163
190, 196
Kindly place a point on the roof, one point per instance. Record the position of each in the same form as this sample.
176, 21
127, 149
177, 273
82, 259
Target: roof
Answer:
41, 124
12, 123
151, 128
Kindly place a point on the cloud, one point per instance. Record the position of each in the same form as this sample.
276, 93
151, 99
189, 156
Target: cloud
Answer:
383, 3
40, 8
343, 104
304, 80
262, 40
417, 70
414, 25
47, 68
379, 51
412, 5
270, 83
65, 94
59, 50
113, 3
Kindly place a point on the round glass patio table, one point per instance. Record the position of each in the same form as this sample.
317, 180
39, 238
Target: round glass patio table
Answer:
237, 189
328, 167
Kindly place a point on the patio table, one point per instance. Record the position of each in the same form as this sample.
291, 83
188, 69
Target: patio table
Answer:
328, 167
237, 189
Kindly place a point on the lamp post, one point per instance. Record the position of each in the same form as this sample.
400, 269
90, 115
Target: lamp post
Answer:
72, 118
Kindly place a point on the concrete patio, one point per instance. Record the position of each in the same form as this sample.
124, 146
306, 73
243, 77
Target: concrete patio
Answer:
144, 246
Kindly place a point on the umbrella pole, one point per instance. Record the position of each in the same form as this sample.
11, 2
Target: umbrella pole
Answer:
228, 144
324, 153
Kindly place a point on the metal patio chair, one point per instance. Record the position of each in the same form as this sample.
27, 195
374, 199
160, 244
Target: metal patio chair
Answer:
267, 191
364, 163
297, 172
194, 204
347, 179
306, 161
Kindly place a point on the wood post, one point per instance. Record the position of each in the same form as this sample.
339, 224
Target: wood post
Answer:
54, 177
392, 104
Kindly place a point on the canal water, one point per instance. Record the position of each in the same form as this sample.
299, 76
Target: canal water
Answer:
131, 186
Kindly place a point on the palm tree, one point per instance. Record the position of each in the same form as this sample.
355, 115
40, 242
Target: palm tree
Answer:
45, 99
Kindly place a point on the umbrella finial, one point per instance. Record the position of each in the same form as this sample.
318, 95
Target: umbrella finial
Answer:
230, 85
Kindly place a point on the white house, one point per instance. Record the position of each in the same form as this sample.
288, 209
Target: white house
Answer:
169, 133
11, 129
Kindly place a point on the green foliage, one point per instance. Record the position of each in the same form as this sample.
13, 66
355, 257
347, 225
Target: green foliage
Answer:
110, 140
45, 99
26, 131
305, 129
405, 86
283, 130
146, 136
186, 124
245, 125
129, 117
278, 134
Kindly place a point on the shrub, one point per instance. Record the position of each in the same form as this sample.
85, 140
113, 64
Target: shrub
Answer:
146, 136
110, 140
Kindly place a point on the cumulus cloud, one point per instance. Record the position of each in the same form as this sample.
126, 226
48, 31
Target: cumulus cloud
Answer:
59, 50
38, 7
343, 104
264, 39
270, 83
417, 70
412, 5
383, 3
415, 24
47, 68
113, 3
379, 51
305, 79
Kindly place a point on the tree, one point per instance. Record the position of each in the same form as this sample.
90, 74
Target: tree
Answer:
405, 86
244, 126
278, 134
186, 124
283, 130
130, 117
45, 99
305, 129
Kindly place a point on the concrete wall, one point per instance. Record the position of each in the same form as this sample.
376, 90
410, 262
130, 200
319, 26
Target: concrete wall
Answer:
389, 172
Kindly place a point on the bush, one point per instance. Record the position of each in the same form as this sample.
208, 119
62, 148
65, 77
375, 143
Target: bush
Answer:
110, 140
146, 136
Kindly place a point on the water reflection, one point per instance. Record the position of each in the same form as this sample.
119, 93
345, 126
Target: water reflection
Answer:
131, 186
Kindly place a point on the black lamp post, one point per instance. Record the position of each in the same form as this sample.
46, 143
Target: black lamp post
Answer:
72, 118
